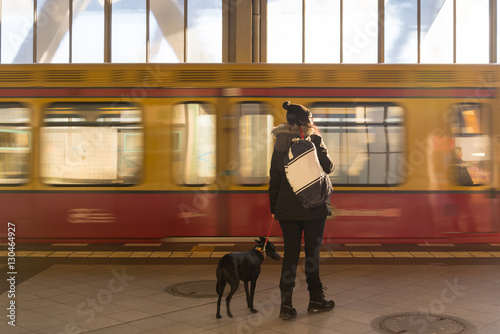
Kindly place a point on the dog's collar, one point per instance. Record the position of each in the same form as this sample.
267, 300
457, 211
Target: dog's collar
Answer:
261, 250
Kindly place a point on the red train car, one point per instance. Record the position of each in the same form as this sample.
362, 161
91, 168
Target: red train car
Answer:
123, 153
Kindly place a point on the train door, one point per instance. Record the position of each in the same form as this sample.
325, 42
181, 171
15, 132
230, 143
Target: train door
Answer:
251, 146
470, 169
194, 170
496, 177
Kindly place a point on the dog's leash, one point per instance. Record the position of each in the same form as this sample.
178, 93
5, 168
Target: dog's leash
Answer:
268, 234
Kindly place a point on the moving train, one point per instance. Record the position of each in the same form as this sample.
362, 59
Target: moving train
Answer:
115, 153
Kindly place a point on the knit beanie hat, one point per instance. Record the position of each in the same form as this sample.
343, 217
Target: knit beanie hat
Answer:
296, 113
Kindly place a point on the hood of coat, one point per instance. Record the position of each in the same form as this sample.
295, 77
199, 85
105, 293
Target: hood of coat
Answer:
284, 133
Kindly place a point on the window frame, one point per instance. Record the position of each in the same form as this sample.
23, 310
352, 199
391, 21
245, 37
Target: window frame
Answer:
267, 110
342, 128
177, 162
29, 128
117, 182
484, 124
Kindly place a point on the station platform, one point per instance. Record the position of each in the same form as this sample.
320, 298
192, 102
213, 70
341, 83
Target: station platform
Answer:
170, 288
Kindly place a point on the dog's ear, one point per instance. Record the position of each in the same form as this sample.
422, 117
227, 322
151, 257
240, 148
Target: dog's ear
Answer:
262, 238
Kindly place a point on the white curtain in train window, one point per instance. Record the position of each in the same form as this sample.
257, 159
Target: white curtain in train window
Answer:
15, 144
194, 144
17, 32
255, 146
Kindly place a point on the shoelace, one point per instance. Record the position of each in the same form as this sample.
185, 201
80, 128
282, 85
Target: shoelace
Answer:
323, 289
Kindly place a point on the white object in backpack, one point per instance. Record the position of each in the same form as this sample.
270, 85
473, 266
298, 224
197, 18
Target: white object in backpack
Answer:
304, 173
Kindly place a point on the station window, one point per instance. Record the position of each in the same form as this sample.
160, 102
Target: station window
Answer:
194, 139
15, 144
92, 144
255, 144
16, 38
366, 141
470, 156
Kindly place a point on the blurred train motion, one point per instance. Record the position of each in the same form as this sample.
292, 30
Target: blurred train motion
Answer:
124, 153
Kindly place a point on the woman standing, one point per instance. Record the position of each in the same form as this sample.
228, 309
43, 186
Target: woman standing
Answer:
293, 217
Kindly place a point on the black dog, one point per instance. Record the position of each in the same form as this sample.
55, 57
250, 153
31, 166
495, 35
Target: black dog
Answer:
242, 266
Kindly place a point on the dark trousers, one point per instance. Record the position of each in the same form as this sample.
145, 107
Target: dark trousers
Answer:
313, 238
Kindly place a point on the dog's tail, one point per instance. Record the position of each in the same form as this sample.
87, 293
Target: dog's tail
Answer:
219, 288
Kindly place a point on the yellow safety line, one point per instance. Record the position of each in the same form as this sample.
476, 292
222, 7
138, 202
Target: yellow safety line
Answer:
207, 252
161, 254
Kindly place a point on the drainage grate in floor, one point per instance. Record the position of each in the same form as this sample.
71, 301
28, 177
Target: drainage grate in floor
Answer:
421, 323
196, 289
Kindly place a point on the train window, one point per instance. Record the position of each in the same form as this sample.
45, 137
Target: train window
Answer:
194, 154
15, 144
92, 144
470, 155
255, 142
366, 141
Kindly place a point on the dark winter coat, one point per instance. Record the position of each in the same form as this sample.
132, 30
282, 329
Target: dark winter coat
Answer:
285, 205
